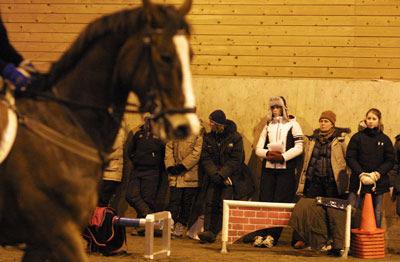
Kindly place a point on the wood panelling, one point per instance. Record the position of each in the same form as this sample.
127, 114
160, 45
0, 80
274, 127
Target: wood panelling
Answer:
357, 39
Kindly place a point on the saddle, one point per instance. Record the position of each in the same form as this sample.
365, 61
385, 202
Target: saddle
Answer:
8, 122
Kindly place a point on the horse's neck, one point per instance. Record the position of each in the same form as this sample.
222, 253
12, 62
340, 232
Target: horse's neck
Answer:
90, 83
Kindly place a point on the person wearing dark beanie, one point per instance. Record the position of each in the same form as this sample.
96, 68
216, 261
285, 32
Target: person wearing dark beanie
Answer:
221, 158
218, 117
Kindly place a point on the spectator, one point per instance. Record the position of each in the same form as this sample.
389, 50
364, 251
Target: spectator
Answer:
181, 161
280, 143
324, 171
396, 175
370, 156
221, 160
112, 175
145, 156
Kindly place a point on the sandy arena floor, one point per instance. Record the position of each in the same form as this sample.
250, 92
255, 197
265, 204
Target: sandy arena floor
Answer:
190, 250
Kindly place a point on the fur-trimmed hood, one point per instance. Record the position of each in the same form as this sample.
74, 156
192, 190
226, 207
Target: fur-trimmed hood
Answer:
277, 101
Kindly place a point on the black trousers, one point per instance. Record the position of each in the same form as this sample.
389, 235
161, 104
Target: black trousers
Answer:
215, 195
108, 188
320, 186
180, 203
142, 191
277, 185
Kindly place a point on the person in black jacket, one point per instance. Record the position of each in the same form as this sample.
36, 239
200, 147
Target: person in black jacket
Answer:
10, 60
221, 160
370, 156
145, 153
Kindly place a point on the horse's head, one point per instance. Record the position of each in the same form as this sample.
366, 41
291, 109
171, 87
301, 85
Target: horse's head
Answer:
154, 63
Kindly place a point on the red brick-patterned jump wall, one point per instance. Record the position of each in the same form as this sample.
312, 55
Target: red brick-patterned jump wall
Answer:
244, 220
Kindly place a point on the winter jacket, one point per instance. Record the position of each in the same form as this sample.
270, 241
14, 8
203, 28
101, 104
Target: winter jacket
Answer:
145, 151
114, 169
186, 152
288, 135
395, 172
222, 153
370, 150
338, 160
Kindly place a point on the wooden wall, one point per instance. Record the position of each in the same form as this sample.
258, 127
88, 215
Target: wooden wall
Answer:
350, 39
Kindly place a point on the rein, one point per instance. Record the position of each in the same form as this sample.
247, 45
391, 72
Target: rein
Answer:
61, 140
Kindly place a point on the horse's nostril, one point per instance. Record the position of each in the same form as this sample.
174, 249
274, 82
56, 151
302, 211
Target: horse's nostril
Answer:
182, 131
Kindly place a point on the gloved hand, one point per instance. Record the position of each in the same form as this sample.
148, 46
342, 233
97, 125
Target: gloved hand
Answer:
28, 66
275, 157
217, 179
18, 76
176, 170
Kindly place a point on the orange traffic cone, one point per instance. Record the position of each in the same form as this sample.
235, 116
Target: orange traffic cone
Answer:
368, 221
368, 241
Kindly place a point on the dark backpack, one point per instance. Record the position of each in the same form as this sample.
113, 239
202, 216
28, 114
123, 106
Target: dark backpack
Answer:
102, 235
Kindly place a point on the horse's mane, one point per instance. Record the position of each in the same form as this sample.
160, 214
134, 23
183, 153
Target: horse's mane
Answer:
123, 22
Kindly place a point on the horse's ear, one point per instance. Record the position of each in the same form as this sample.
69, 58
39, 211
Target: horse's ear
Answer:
147, 7
185, 8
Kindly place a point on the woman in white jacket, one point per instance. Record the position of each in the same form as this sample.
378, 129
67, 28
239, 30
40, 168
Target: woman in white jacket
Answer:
280, 142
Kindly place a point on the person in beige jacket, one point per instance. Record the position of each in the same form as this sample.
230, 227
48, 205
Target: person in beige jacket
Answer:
112, 175
324, 172
181, 161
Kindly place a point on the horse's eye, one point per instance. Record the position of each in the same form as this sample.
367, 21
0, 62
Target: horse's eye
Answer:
166, 58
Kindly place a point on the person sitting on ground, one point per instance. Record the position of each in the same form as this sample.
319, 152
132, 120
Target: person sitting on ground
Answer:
324, 172
181, 160
221, 160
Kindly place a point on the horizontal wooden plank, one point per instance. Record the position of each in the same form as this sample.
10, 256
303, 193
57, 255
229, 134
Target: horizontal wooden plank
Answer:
231, 30
297, 72
317, 53
223, 2
44, 28
41, 46
62, 8
217, 2
42, 37
221, 19
297, 30
242, 9
46, 56
294, 20
297, 51
31, 39
278, 71
289, 61
49, 18
230, 40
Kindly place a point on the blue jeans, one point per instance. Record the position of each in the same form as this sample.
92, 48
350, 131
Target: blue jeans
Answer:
377, 200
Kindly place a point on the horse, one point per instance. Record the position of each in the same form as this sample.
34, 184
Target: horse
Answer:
68, 122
